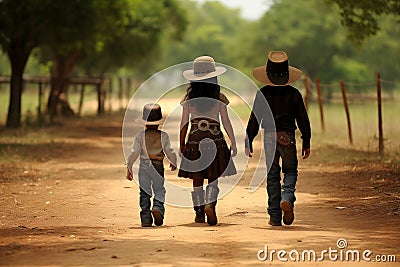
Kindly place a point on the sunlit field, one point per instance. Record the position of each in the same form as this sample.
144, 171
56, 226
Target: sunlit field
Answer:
364, 119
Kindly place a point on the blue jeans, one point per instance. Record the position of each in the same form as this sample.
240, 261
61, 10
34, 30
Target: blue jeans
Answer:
151, 179
276, 191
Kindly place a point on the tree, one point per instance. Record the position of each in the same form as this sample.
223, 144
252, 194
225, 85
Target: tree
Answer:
309, 33
74, 30
20, 30
138, 43
213, 29
108, 34
361, 18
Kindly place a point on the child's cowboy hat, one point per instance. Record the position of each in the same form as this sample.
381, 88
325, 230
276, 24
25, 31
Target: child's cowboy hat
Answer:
277, 70
152, 115
203, 68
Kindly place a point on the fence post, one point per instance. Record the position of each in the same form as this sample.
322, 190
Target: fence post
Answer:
321, 111
128, 89
346, 107
100, 97
40, 102
81, 99
120, 92
307, 86
110, 94
380, 128
40, 99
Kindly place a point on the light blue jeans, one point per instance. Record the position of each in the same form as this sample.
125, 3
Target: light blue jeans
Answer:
276, 191
151, 180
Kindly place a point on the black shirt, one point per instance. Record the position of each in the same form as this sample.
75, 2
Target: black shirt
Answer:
287, 108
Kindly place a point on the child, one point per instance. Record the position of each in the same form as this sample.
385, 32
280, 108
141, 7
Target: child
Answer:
203, 105
287, 108
151, 145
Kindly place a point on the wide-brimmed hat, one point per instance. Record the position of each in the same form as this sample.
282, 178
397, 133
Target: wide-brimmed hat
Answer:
152, 115
277, 70
203, 68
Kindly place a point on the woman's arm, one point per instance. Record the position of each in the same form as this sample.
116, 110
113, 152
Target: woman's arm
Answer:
226, 122
184, 128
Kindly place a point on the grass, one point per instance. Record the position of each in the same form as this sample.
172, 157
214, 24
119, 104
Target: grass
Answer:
30, 103
333, 142
364, 122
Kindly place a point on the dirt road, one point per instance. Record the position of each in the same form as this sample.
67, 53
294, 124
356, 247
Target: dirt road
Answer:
69, 205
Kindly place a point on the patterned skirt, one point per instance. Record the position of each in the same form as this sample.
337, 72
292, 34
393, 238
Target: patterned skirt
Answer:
206, 154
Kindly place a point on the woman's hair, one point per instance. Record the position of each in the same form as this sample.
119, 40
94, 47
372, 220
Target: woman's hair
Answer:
204, 90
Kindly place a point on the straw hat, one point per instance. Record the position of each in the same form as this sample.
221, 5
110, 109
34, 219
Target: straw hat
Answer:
152, 115
277, 70
203, 68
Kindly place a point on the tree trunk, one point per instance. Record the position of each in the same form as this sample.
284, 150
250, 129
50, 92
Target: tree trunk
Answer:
18, 57
61, 73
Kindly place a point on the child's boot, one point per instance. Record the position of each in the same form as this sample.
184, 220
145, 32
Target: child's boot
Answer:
212, 192
198, 204
145, 218
145, 214
158, 212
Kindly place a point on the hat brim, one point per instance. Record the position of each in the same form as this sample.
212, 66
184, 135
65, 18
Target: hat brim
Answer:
260, 74
141, 121
189, 74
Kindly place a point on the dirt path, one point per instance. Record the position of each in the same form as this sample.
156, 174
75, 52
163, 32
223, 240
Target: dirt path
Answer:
76, 209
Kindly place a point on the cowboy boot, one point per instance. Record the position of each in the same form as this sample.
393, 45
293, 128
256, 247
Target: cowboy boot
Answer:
198, 204
211, 201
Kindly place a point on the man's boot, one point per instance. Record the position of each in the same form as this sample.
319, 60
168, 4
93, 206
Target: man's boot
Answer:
212, 192
198, 204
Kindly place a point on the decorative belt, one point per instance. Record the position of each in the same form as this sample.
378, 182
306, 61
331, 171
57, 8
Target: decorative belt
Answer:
206, 125
205, 140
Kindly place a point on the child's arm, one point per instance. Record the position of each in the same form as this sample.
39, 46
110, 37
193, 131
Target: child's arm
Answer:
184, 128
226, 122
131, 159
168, 150
133, 156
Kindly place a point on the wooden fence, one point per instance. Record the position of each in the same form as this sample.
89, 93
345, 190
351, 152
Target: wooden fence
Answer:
317, 85
104, 88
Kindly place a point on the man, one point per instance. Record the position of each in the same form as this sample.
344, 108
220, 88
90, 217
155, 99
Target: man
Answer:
287, 107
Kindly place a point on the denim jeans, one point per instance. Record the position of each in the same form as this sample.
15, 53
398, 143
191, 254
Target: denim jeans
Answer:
276, 191
151, 179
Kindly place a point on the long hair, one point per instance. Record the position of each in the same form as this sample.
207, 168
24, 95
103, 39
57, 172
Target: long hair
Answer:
204, 90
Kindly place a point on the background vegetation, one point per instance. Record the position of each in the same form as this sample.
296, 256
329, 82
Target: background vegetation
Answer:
332, 40
310, 31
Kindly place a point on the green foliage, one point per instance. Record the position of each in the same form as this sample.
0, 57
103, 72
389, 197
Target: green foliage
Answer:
82, 26
213, 30
4, 64
311, 33
143, 36
20, 23
135, 43
362, 18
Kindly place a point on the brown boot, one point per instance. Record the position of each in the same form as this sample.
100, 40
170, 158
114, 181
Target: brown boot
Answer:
288, 215
212, 192
198, 203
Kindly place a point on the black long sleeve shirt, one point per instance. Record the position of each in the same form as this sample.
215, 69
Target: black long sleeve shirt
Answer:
287, 108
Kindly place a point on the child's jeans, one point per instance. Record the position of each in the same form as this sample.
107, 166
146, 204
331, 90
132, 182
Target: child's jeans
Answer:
276, 192
151, 179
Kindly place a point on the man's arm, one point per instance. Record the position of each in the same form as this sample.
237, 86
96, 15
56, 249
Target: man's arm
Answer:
253, 124
304, 126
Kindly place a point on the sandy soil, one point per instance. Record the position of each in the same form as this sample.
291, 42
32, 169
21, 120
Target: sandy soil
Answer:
71, 206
